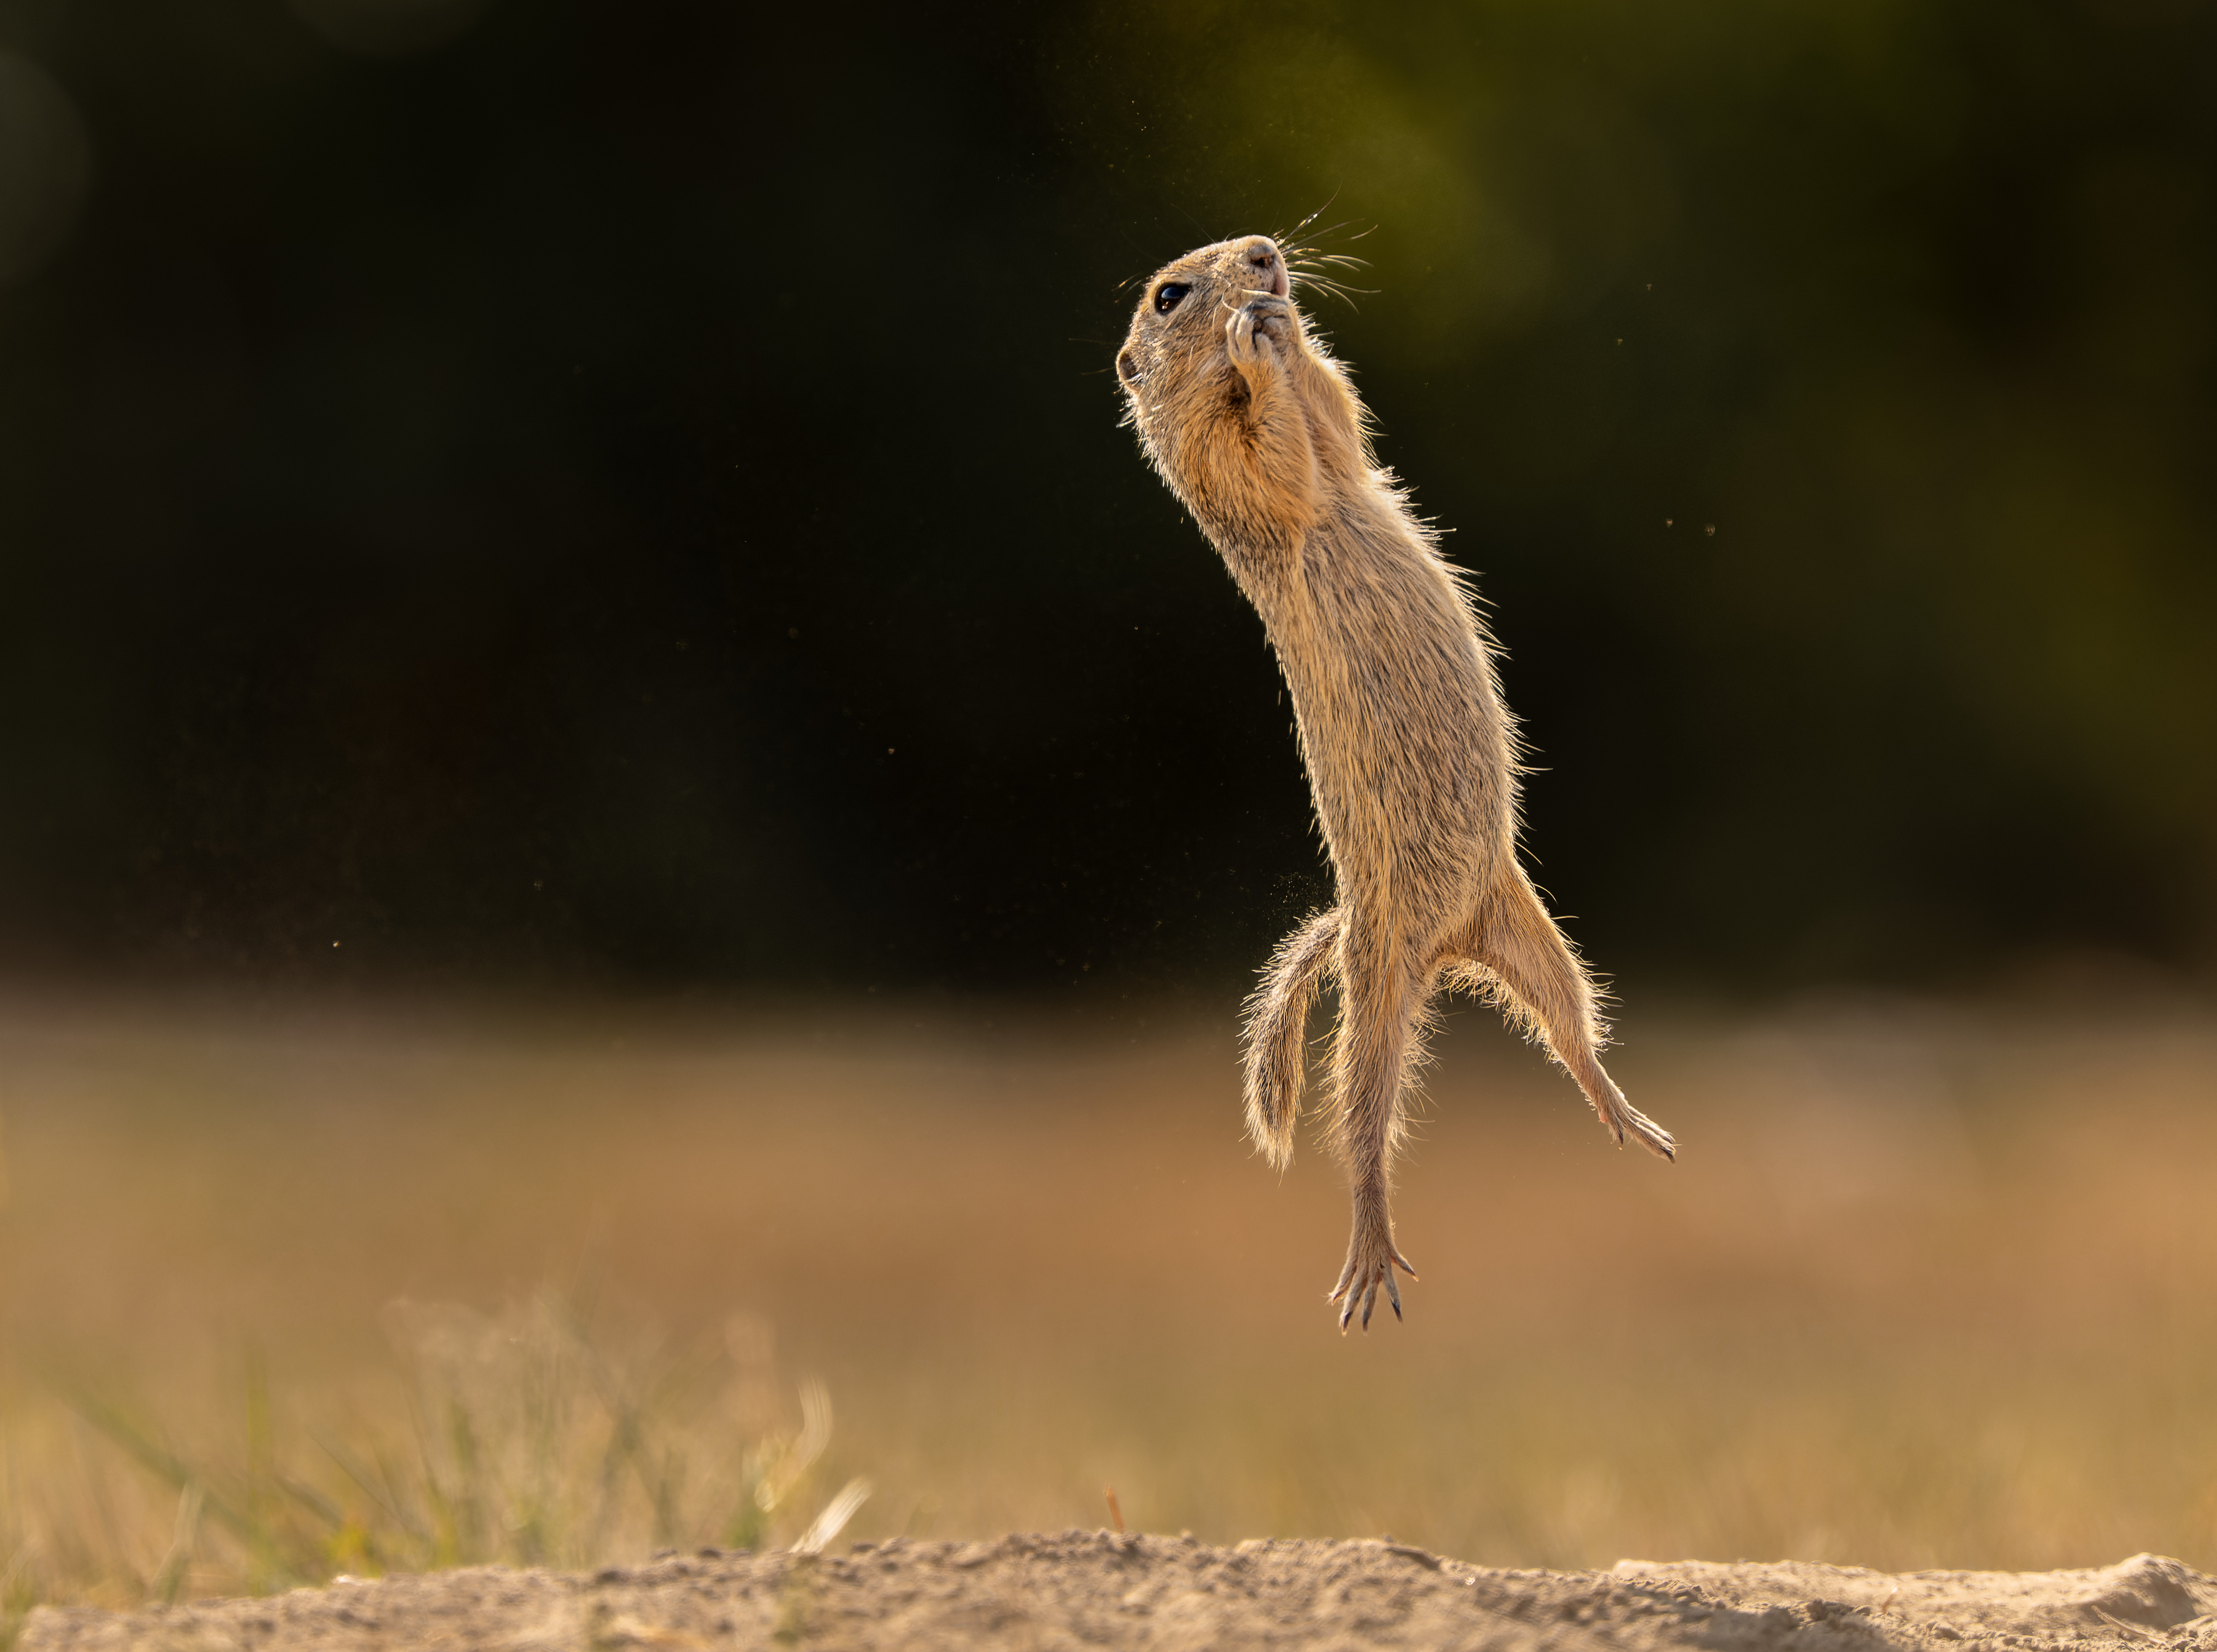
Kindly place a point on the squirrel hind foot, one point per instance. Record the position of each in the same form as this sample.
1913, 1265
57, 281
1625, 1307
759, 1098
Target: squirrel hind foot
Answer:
1372, 1256
1619, 1118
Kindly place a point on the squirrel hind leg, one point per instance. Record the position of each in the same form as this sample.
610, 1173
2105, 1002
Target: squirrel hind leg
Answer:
1527, 967
1381, 1012
1277, 1033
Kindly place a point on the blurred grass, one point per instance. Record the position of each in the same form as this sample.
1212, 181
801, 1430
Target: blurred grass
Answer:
288, 1298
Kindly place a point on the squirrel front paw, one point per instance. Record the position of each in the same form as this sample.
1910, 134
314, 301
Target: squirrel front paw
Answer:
1274, 319
1257, 330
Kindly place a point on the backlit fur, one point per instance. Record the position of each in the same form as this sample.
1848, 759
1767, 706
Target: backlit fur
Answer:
1410, 754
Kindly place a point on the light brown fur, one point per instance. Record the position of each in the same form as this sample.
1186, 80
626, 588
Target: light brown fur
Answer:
1410, 753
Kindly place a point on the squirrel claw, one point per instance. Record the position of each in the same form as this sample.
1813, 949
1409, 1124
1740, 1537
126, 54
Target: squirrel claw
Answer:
1370, 1263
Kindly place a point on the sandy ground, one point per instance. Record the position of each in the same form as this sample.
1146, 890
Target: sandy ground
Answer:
1098, 1589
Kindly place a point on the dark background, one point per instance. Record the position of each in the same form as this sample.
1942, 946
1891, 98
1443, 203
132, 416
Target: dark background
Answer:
631, 495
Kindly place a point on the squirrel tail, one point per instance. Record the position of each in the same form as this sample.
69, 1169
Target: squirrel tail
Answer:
1277, 1031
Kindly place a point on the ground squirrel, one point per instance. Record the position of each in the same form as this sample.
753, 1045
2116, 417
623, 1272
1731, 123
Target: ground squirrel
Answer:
1410, 754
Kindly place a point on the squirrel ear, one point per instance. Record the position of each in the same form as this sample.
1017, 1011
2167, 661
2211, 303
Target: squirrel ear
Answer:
1127, 366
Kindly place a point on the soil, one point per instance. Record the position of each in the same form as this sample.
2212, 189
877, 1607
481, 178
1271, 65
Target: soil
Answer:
1092, 1589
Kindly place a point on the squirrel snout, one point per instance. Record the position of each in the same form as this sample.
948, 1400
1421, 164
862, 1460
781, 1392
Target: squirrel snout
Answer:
1270, 268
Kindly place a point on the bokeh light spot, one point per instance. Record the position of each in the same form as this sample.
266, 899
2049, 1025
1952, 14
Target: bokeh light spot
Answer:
45, 163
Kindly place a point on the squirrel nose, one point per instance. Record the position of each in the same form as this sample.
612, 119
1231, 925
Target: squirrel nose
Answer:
1263, 258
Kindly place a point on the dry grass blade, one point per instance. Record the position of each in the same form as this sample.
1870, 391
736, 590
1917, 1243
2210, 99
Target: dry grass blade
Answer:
833, 1520
2137, 1631
170, 1579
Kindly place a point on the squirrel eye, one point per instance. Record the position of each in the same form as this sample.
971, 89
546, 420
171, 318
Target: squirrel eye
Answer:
1168, 294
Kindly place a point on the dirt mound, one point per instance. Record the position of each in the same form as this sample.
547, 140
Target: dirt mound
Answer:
1078, 1589
2136, 1600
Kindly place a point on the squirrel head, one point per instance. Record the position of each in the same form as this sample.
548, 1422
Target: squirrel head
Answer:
1176, 339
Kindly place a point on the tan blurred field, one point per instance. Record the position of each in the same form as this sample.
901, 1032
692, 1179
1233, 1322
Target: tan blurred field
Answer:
1927, 1286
